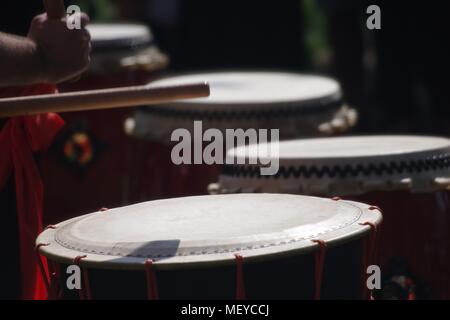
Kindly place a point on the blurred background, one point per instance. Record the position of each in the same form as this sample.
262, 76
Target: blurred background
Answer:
395, 76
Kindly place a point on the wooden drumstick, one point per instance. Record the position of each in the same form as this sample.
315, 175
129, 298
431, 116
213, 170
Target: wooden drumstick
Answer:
100, 99
55, 9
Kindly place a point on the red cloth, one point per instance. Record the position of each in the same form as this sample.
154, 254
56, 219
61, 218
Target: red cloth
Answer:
19, 139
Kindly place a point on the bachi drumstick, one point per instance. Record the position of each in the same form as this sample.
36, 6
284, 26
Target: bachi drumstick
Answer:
101, 99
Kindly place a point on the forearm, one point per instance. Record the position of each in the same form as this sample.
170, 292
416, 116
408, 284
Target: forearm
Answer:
19, 61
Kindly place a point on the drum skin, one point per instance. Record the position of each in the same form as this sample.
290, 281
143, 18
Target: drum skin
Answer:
416, 228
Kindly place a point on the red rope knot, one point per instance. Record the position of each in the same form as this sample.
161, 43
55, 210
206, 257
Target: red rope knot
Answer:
319, 265
368, 254
336, 199
78, 259
85, 292
372, 208
40, 245
152, 285
103, 210
372, 226
240, 285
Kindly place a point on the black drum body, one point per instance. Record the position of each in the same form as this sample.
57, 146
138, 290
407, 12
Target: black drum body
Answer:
288, 278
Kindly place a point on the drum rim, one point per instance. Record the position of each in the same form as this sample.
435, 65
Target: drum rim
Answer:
443, 148
224, 111
347, 233
144, 39
385, 169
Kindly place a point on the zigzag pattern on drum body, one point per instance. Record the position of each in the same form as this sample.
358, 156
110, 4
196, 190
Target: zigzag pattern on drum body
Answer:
279, 112
429, 164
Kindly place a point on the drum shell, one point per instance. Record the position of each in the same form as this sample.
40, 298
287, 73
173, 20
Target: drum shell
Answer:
416, 228
290, 122
288, 278
407, 177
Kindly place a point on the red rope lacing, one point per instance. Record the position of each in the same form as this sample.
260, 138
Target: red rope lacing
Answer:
152, 286
43, 269
85, 292
368, 254
319, 265
240, 286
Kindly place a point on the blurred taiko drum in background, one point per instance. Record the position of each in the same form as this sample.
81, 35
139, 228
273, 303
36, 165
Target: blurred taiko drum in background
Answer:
239, 246
122, 55
408, 177
298, 105
91, 158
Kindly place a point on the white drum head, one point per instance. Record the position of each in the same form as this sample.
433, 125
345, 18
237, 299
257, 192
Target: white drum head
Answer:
250, 88
124, 48
351, 148
347, 165
208, 229
119, 35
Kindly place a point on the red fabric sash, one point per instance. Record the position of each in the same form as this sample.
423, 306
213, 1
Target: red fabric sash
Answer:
19, 138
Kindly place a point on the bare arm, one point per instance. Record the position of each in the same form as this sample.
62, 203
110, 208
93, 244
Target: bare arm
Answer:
19, 61
51, 53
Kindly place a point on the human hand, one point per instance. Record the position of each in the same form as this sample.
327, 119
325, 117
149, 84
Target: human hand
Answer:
61, 53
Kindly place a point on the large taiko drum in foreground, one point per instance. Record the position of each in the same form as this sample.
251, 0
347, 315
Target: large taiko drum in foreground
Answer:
408, 177
93, 151
245, 246
298, 105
